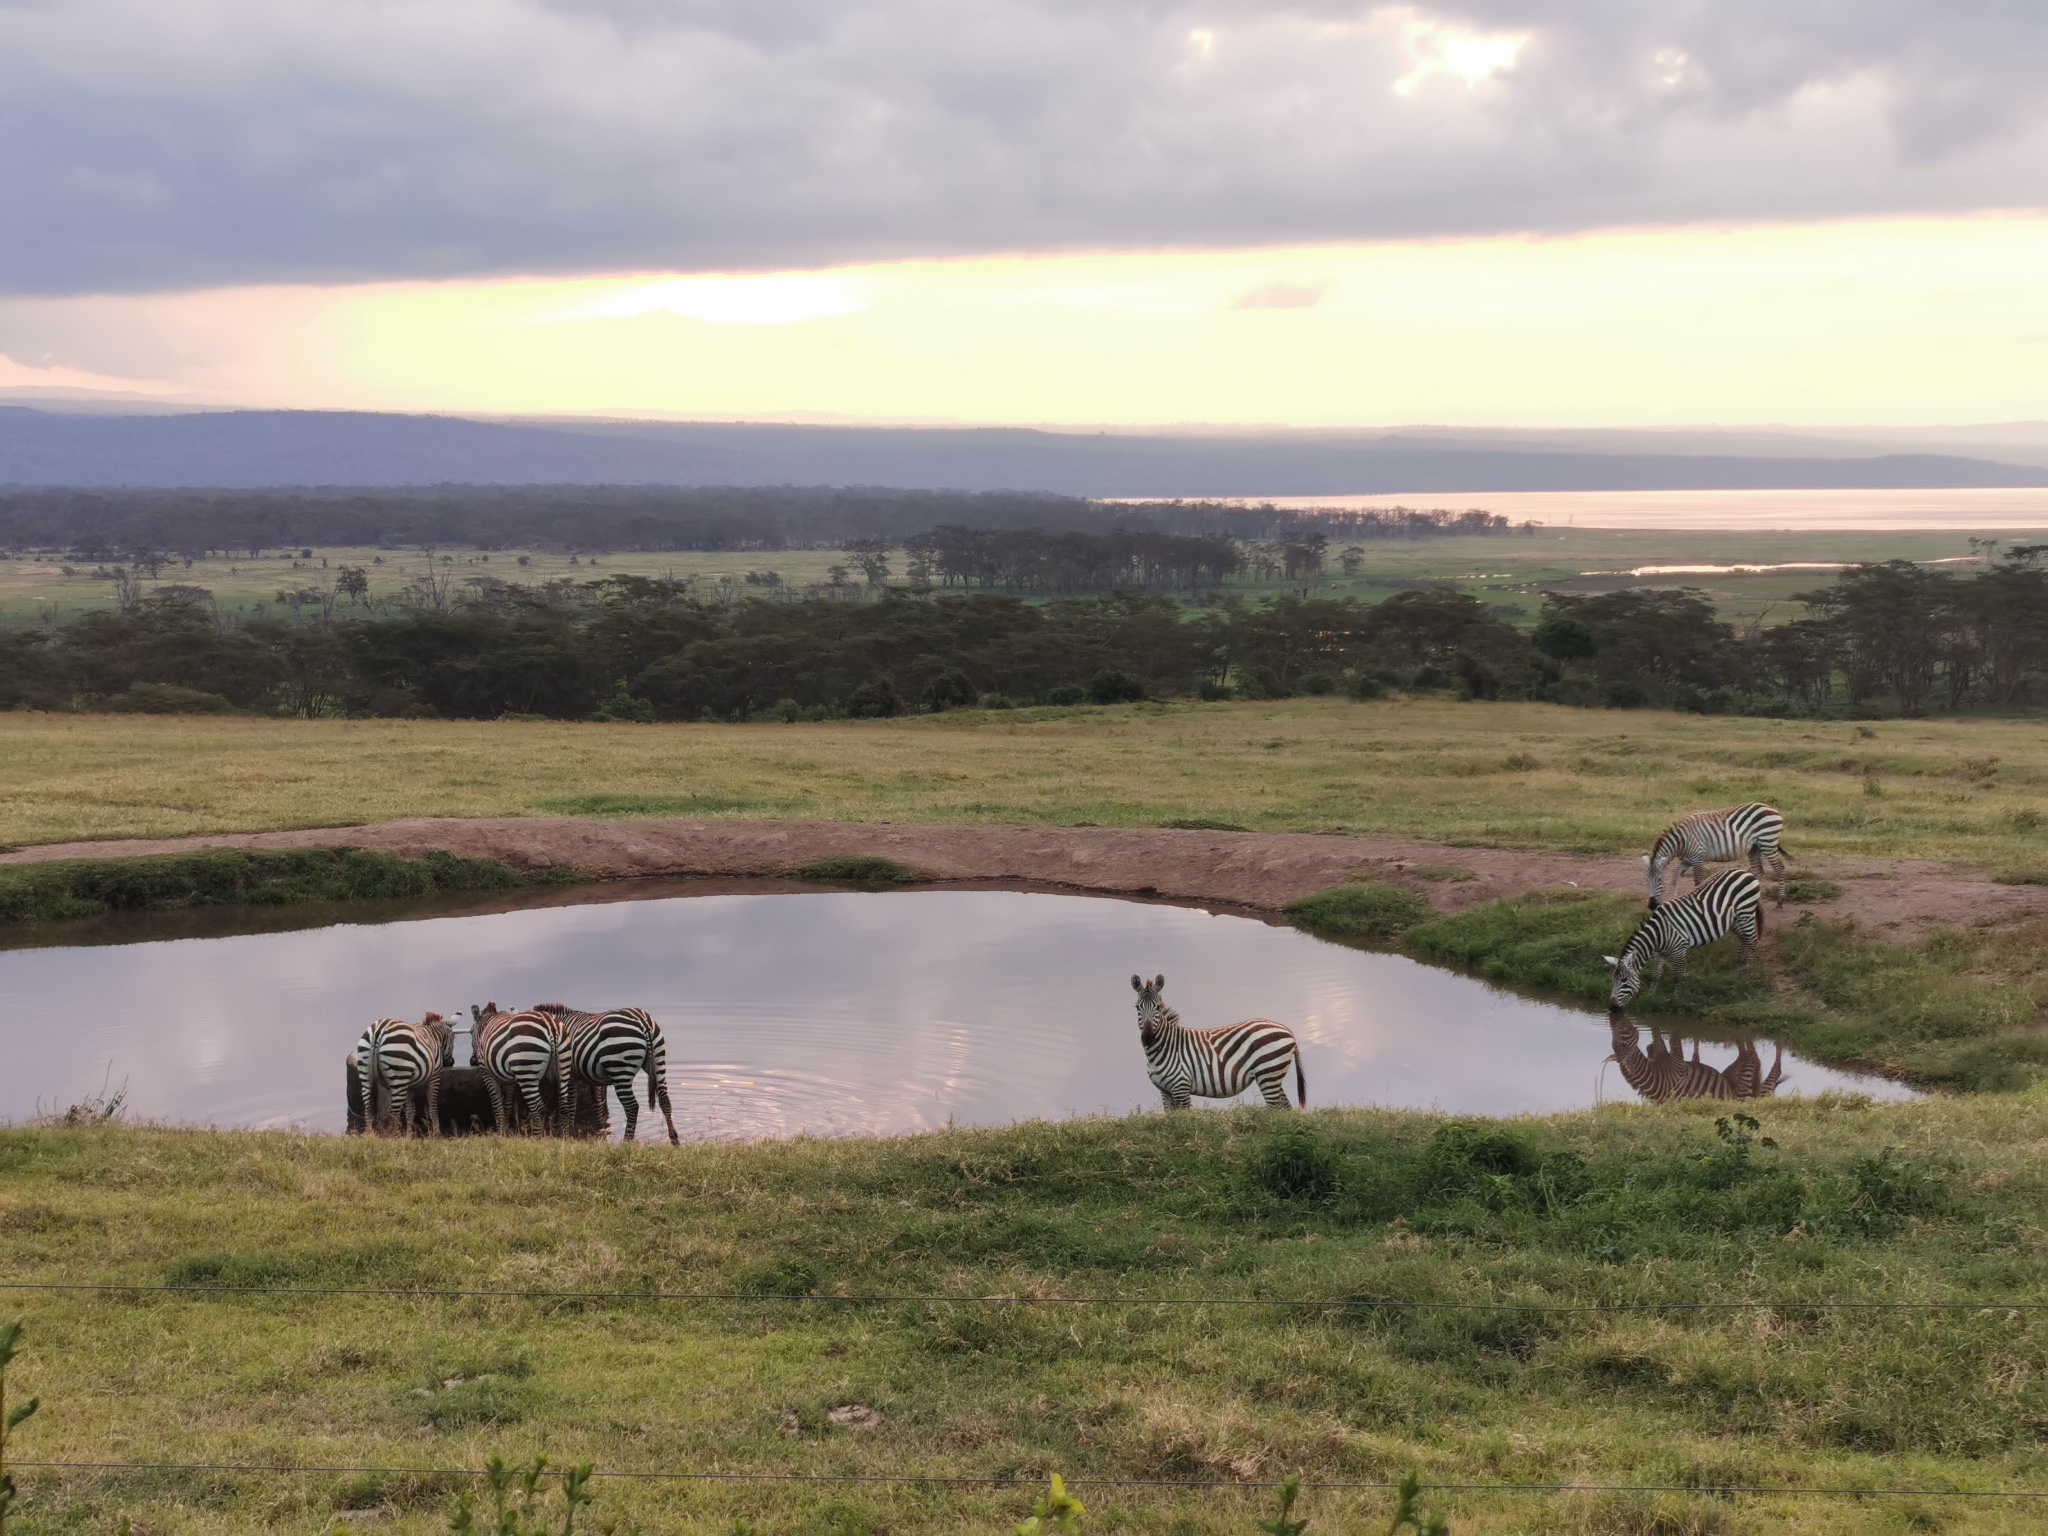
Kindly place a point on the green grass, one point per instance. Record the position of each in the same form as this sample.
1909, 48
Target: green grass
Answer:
1368, 910
73, 888
1509, 775
1930, 1201
867, 871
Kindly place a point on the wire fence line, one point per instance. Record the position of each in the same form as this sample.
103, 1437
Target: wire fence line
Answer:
955, 1480
752, 1298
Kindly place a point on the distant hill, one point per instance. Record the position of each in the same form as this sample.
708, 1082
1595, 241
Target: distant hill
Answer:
250, 449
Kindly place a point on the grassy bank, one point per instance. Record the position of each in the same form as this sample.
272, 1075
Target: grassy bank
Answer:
1529, 775
218, 877
1932, 1201
1959, 1008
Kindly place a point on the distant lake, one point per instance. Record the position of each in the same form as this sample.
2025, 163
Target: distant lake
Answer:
1974, 510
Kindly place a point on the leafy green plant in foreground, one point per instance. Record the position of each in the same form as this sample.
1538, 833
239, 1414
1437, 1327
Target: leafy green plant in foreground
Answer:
10, 1418
517, 1505
1058, 1511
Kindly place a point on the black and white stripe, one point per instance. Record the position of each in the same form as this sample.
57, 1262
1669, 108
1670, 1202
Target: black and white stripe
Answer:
1214, 1063
521, 1053
1716, 837
394, 1059
1663, 1072
608, 1050
1730, 903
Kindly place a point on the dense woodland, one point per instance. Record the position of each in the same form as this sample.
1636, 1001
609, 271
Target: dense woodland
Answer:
1885, 638
126, 525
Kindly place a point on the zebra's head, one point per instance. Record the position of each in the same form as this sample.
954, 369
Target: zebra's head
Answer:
1152, 1009
1628, 980
476, 1018
1656, 873
443, 1036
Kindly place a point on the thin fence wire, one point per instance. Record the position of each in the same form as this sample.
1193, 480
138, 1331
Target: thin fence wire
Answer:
953, 1480
750, 1298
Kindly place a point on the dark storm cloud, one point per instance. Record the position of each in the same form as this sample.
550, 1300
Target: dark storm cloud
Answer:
150, 146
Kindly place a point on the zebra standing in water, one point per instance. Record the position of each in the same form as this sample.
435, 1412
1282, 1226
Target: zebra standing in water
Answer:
1715, 837
1214, 1063
523, 1051
608, 1050
1730, 903
398, 1056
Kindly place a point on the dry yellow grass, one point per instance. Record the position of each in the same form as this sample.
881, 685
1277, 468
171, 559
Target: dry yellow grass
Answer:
1972, 791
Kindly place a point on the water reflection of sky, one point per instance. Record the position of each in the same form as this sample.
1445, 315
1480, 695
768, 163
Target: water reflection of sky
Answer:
828, 1013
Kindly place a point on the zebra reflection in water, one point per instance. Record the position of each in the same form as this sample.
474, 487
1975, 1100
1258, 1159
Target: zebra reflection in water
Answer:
1663, 1072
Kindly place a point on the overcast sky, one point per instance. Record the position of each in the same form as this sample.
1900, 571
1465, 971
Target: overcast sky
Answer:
148, 145
366, 202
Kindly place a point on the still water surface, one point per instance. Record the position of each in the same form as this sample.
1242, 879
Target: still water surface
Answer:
1975, 508
822, 1012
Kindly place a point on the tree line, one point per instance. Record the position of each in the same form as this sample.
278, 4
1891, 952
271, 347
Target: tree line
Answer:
142, 525
1891, 637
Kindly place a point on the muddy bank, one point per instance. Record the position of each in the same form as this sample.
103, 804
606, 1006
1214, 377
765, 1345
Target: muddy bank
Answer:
1899, 898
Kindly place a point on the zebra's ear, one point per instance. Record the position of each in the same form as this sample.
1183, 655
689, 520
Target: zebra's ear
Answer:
1137, 985
1159, 982
1613, 961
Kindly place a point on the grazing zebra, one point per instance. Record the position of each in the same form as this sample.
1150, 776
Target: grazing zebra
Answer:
1663, 1073
397, 1057
1214, 1063
607, 1050
1715, 837
1730, 903
525, 1051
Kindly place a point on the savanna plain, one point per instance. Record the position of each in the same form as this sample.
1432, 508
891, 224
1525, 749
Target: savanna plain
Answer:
1646, 1212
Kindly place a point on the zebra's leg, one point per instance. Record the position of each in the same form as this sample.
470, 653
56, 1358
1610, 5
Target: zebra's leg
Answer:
1697, 870
1274, 1086
657, 1093
434, 1103
401, 1108
497, 1092
629, 1104
1167, 1099
1678, 969
537, 1121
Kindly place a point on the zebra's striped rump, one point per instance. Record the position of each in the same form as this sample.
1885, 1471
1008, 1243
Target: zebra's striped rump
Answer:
394, 1059
1749, 832
608, 1050
1184, 1063
1730, 903
521, 1053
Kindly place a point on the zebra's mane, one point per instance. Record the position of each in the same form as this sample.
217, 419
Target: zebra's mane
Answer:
1165, 1018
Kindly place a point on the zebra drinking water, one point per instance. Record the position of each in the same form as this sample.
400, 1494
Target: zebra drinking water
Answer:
397, 1057
608, 1050
1730, 903
1214, 1063
522, 1052
1715, 837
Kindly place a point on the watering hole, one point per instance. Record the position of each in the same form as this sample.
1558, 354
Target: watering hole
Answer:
824, 1013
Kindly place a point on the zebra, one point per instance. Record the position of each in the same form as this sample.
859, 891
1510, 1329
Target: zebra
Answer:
1663, 1073
1716, 837
398, 1057
1731, 902
607, 1050
1214, 1063
525, 1051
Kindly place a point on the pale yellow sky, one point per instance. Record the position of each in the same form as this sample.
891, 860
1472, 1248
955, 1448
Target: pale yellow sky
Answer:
1872, 321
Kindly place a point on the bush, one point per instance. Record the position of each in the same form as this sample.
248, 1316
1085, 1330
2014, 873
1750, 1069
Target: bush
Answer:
167, 699
873, 700
1365, 685
1318, 684
1294, 1163
949, 690
1111, 686
1213, 692
1369, 910
1066, 693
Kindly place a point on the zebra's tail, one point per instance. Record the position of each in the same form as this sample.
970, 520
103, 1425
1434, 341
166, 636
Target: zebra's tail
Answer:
657, 1082
1300, 1082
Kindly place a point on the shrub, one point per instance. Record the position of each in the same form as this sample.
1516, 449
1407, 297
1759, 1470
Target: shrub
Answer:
1213, 692
949, 690
1294, 1163
1369, 910
1318, 684
1365, 685
875, 699
1112, 686
167, 699
1066, 693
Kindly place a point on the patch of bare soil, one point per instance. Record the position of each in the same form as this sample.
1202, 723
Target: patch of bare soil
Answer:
1265, 870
